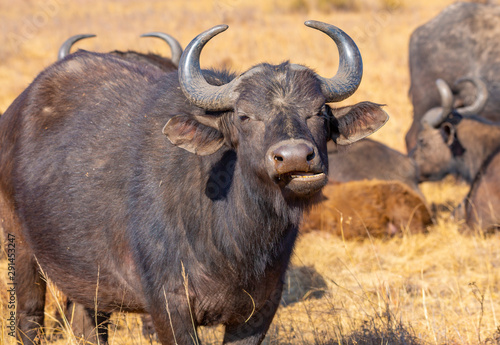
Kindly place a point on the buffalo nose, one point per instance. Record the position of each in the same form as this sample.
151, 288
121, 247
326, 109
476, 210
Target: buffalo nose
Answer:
297, 157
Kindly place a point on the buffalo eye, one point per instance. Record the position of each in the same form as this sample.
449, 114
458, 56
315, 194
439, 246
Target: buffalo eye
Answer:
317, 118
244, 118
320, 113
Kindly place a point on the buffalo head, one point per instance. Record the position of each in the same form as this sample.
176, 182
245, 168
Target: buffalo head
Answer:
275, 116
440, 150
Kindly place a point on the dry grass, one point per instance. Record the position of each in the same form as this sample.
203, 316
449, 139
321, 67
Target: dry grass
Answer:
435, 288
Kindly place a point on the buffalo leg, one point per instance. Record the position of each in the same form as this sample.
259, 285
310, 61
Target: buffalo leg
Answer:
82, 324
253, 331
148, 329
100, 322
30, 292
176, 328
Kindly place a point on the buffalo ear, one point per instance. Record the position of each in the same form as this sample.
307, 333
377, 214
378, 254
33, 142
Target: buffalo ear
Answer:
193, 136
448, 133
352, 123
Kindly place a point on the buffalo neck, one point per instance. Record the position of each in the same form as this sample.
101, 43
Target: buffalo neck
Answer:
247, 224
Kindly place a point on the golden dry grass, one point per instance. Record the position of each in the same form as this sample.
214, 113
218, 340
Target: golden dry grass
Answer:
435, 288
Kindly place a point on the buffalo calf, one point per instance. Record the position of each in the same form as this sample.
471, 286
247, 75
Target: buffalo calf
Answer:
376, 208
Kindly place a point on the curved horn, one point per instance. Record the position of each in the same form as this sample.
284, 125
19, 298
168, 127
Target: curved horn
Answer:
446, 96
436, 115
66, 46
481, 99
350, 70
174, 45
211, 97
191, 79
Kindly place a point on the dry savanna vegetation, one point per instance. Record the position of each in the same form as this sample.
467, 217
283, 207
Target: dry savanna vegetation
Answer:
437, 287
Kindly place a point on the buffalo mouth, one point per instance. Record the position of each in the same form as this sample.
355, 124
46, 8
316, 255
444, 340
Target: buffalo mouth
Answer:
303, 183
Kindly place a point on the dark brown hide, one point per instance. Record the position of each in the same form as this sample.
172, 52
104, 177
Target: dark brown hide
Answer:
162, 63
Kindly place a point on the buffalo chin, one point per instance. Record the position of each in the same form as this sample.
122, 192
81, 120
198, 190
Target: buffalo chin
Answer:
304, 184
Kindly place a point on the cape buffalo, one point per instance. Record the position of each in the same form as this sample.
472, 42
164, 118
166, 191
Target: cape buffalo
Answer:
162, 63
176, 194
459, 42
454, 142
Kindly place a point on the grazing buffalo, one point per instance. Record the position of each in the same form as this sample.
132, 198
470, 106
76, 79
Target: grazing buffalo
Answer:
173, 194
368, 159
453, 142
158, 61
459, 42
